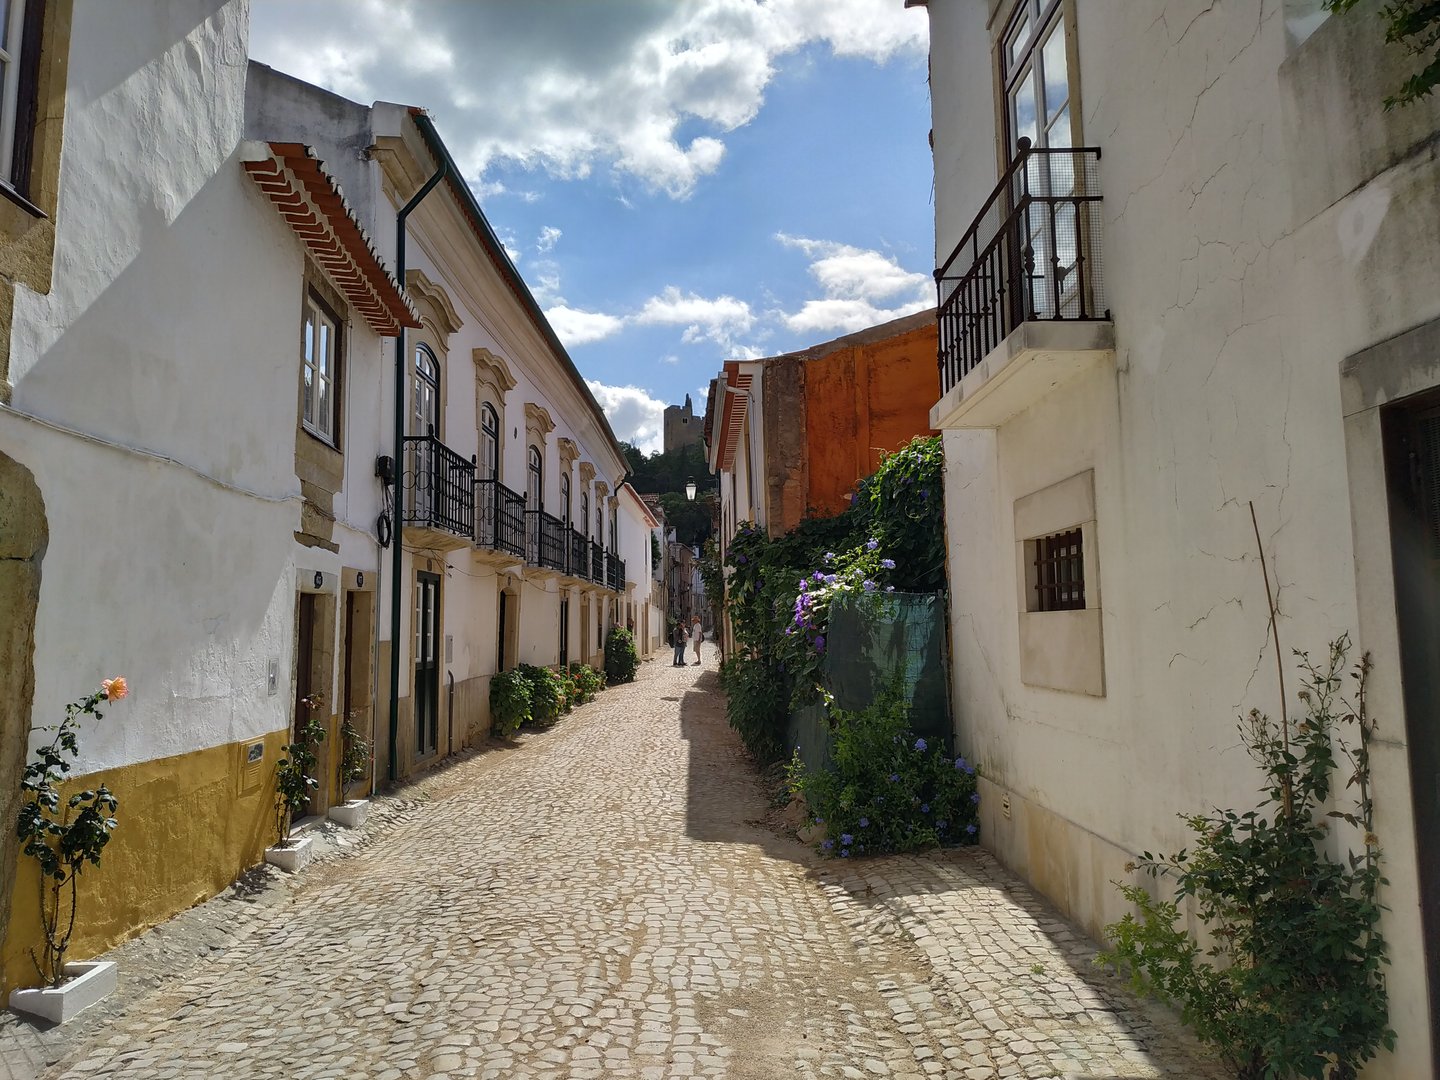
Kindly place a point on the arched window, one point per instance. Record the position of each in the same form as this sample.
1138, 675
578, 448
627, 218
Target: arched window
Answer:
425, 415
489, 443
565, 499
599, 525
585, 513
614, 529
535, 481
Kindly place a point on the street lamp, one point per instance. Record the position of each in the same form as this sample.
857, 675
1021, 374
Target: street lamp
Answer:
690, 489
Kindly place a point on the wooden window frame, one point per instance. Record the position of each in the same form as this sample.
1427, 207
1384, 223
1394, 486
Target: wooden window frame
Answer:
438, 382
490, 434
19, 100
315, 303
1042, 14
535, 466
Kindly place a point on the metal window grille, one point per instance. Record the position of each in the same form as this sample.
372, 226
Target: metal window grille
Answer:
1060, 572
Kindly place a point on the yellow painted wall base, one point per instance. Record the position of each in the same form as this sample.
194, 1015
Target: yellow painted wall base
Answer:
188, 826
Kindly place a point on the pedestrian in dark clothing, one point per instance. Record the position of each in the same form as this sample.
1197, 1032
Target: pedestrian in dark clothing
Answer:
678, 640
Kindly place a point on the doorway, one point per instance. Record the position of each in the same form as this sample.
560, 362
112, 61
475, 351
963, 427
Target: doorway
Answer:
565, 633
427, 663
1411, 433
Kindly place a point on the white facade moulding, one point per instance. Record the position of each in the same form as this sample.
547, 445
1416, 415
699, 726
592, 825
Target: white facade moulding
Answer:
1038, 357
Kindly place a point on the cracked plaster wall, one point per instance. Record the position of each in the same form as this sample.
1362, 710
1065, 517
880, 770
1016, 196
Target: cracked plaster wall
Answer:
1241, 274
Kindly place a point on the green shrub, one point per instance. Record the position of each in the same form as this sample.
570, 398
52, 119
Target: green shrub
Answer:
547, 696
621, 658
1293, 984
509, 703
590, 680
888, 790
757, 694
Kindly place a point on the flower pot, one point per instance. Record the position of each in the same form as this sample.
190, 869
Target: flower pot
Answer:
353, 813
290, 857
86, 984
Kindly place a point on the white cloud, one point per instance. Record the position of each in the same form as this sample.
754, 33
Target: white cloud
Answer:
603, 84
716, 319
670, 359
855, 282
548, 238
634, 415
575, 327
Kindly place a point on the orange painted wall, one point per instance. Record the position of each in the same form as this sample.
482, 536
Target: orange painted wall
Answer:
862, 401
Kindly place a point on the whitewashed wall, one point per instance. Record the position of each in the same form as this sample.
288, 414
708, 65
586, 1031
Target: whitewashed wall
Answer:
1242, 268
170, 530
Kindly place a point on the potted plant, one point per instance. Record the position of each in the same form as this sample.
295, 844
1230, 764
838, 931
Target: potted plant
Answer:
294, 783
354, 767
62, 835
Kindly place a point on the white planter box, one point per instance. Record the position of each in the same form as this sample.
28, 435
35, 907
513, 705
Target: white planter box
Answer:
89, 983
295, 856
353, 813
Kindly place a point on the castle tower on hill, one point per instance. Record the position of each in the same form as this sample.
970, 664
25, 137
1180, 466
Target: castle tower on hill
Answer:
682, 426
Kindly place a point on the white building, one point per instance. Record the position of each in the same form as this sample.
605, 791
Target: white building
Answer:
644, 594
506, 480
199, 470
1236, 301
149, 424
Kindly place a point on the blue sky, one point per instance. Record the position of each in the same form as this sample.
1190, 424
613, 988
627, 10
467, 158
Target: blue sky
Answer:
680, 182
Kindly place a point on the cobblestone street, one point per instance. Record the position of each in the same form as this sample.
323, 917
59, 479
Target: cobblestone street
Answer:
606, 900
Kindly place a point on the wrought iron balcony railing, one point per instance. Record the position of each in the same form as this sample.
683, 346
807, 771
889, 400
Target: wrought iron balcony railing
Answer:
544, 540
579, 555
438, 486
499, 518
597, 563
1033, 252
614, 572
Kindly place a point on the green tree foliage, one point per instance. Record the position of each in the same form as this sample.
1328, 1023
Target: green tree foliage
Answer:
1292, 984
693, 522
661, 472
1415, 26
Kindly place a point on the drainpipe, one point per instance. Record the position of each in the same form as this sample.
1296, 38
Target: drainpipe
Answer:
396, 532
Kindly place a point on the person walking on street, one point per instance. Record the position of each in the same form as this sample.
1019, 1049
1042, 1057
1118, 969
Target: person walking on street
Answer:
697, 636
677, 640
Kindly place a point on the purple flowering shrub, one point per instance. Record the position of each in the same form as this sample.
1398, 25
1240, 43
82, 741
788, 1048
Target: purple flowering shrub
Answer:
861, 572
888, 790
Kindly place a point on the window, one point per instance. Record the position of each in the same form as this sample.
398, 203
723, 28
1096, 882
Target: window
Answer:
599, 525
21, 23
321, 357
535, 480
565, 500
1036, 72
1059, 572
614, 529
489, 464
585, 511
425, 398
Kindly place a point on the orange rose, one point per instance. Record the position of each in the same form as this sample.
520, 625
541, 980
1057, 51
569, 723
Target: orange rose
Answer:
115, 688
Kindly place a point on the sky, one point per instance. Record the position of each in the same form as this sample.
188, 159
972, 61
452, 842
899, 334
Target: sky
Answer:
680, 182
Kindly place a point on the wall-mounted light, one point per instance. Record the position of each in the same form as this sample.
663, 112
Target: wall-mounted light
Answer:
690, 489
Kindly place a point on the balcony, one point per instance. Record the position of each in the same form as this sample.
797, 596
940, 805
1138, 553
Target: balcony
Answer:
597, 563
437, 493
1022, 305
545, 541
499, 522
614, 572
579, 565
